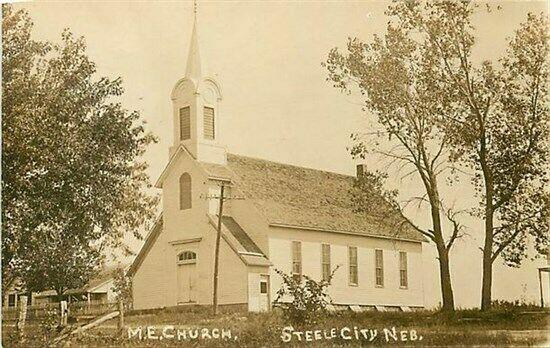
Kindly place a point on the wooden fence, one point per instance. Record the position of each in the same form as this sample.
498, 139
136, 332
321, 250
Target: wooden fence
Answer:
76, 309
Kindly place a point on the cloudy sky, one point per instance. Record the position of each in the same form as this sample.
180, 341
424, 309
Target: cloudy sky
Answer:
276, 103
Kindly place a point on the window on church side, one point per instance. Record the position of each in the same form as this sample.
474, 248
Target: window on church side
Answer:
185, 123
208, 130
403, 277
297, 260
352, 254
185, 191
379, 267
325, 261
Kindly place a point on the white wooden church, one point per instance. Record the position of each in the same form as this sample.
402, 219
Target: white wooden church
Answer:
297, 220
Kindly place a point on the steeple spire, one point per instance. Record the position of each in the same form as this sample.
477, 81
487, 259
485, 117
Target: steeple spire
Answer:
193, 69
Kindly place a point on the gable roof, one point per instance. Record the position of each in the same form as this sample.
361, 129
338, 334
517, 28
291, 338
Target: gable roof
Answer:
292, 196
173, 159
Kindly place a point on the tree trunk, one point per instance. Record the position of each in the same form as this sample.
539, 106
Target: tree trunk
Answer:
442, 251
487, 281
446, 285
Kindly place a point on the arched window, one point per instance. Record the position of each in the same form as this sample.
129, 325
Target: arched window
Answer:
187, 257
185, 191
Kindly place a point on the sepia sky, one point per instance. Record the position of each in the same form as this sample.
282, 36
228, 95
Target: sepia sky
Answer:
276, 103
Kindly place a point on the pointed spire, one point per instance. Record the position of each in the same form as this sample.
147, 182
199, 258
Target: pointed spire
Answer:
194, 59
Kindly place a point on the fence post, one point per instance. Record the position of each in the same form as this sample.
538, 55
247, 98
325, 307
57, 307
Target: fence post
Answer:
22, 315
64, 311
120, 315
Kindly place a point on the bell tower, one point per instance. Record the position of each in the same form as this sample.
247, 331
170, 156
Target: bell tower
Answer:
196, 102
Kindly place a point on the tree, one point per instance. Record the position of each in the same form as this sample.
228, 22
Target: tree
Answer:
122, 285
499, 129
495, 122
394, 75
72, 181
59, 264
19, 54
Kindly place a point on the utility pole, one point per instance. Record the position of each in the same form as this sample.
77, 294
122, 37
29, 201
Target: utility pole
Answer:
221, 198
217, 252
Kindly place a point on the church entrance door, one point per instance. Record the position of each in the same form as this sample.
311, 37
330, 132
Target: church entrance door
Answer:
186, 283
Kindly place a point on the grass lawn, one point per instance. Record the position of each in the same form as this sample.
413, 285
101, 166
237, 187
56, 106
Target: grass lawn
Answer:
501, 327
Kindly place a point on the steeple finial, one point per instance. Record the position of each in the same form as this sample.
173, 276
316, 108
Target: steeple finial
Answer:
193, 59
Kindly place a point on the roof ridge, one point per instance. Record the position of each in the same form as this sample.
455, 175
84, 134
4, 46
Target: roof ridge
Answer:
292, 165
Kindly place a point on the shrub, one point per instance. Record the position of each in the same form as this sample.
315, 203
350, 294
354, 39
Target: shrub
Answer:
309, 298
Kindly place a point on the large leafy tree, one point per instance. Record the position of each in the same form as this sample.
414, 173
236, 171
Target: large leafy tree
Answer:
72, 180
499, 128
490, 117
394, 75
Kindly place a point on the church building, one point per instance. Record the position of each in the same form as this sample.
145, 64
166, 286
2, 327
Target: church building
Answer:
277, 216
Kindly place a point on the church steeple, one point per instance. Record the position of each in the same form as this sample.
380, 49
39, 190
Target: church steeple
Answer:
196, 108
193, 70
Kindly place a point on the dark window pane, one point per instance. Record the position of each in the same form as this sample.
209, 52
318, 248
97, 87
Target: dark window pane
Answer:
263, 287
11, 300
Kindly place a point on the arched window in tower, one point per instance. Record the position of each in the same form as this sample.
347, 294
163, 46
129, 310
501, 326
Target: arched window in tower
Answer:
185, 123
185, 191
208, 131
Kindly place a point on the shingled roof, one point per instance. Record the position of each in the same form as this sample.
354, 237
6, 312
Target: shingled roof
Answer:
307, 198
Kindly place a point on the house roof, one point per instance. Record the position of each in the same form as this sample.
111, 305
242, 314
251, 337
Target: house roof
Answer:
292, 196
105, 275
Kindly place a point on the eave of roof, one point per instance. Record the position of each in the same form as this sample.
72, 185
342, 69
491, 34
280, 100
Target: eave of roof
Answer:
221, 174
312, 228
149, 241
171, 162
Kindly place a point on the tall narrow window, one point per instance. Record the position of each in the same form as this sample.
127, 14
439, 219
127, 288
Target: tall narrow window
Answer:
185, 191
379, 264
325, 261
403, 281
208, 131
185, 123
297, 260
12, 300
352, 255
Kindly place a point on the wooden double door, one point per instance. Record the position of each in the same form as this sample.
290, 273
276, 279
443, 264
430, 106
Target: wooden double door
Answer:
186, 278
